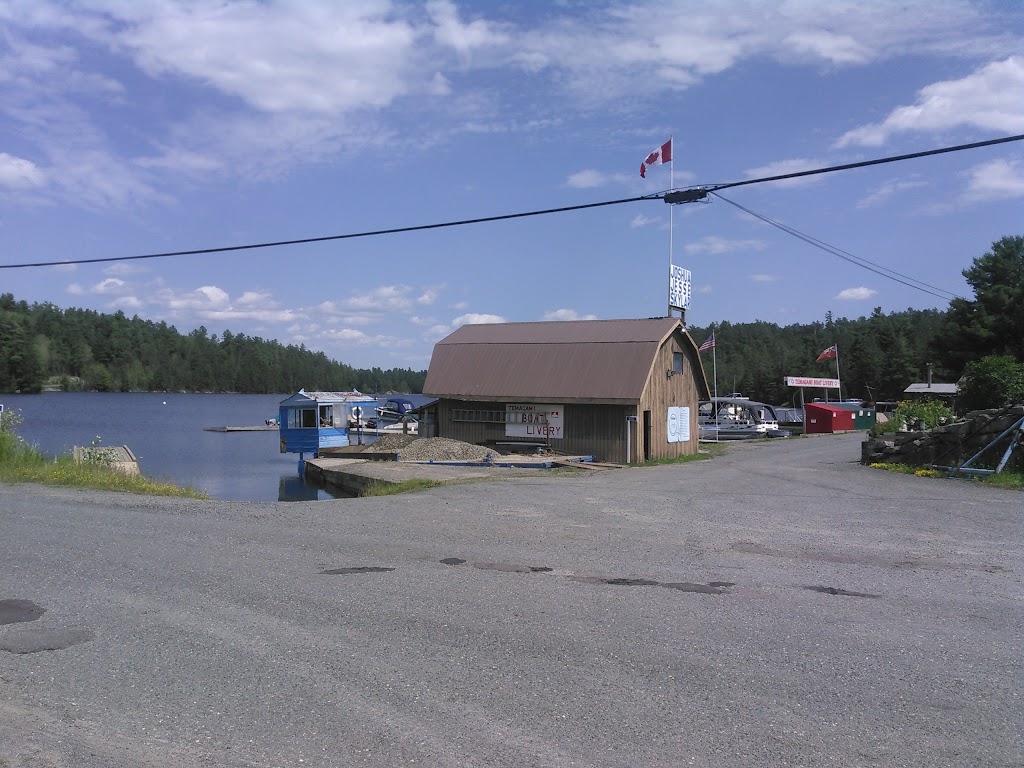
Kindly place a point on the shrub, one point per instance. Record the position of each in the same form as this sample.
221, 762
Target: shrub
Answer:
916, 414
992, 382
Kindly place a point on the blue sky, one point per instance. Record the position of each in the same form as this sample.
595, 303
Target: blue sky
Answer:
138, 127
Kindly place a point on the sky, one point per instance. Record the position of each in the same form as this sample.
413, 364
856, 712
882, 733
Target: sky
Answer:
132, 128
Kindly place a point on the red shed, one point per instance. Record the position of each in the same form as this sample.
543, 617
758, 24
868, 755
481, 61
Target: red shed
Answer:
826, 417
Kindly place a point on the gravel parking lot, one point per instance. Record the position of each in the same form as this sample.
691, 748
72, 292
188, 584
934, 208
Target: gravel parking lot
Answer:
779, 605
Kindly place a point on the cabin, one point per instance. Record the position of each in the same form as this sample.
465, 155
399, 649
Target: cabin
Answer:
863, 415
622, 391
311, 421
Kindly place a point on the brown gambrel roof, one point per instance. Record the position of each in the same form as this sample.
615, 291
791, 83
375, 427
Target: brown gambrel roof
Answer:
580, 360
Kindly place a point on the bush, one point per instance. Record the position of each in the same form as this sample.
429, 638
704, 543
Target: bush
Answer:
922, 414
994, 381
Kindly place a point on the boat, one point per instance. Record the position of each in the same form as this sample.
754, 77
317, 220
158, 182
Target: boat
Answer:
737, 418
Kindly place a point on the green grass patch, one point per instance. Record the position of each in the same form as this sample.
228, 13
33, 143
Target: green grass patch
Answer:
21, 463
1008, 478
707, 451
406, 486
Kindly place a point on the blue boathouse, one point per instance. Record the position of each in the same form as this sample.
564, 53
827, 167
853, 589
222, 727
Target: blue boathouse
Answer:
310, 421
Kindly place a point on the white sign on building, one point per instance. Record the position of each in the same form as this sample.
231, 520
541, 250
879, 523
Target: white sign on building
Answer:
534, 420
804, 381
679, 424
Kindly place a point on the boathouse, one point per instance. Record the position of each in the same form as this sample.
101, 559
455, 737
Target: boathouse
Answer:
310, 421
623, 391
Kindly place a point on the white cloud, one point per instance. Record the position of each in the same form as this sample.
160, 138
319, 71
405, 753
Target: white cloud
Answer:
765, 278
887, 190
19, 173
784, 167
991, 98
477, 319
855, 294
1000, 179
641, 221
704, 289
588, 179
110, 285
567, 314
717, 245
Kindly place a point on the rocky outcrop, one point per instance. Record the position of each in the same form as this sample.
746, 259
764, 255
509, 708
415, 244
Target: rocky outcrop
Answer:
952, 444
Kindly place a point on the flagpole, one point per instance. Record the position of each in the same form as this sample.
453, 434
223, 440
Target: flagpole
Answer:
714, 360
838, 377
671, 185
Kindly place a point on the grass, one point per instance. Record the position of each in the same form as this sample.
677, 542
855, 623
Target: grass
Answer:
1008, 478
707, 451
406, 486
21, 463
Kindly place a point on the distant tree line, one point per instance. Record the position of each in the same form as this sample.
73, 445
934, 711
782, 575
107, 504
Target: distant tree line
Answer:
879, 355
81, 349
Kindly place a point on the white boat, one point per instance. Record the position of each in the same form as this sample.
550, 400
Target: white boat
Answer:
737, 418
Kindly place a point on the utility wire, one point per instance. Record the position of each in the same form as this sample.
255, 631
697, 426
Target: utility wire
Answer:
326, 238
891, 274
865, 163
505, 217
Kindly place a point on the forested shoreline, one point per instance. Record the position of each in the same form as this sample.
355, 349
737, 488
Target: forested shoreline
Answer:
879, 355
44, 346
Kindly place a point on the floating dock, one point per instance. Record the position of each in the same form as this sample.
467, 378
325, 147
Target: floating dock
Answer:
253, 428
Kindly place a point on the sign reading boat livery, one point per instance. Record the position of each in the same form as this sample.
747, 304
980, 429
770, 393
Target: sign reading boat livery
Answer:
533, 420
803, 381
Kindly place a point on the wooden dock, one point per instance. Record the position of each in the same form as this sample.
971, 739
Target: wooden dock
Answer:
252, 428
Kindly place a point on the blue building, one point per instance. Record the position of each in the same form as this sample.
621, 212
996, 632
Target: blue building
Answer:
310, 421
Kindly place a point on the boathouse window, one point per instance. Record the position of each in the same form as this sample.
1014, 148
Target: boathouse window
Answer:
302, 418
677, 362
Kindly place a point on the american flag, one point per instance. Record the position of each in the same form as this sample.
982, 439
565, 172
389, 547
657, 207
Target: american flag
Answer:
707, 344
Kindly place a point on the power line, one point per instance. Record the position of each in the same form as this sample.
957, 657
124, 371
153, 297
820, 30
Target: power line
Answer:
865, 163
505, 217
847, 256
326, 238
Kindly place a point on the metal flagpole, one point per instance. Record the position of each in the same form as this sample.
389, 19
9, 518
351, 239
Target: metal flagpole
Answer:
714, 360
671, 185
838, 377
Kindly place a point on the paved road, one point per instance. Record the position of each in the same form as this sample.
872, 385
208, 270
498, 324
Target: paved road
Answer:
781, 605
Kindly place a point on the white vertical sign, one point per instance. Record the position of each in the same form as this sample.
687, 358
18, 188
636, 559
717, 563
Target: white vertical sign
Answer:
679, 287
679, 424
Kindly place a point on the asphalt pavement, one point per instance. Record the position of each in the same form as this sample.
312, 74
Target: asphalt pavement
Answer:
780, 605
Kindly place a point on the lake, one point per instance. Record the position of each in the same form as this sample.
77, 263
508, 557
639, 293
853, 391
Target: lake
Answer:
165, 432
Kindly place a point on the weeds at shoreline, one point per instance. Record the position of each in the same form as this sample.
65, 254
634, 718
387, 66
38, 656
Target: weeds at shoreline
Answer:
22, 463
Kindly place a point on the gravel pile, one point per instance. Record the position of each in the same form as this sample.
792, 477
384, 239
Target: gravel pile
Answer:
414, 448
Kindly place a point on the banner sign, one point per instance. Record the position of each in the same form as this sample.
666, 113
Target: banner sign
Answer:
804, 381
533, 420
678, 424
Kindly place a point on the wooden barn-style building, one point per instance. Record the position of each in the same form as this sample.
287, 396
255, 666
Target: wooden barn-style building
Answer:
623, 391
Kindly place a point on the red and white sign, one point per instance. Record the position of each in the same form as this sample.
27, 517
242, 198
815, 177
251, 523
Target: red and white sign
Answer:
533, 420
804, 381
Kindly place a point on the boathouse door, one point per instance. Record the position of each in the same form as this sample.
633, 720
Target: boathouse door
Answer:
647, 435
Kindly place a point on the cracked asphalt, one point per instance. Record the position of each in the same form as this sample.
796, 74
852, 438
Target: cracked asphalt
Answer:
778, 606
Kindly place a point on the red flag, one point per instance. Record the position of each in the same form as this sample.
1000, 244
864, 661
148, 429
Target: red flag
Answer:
829, 354
662, 154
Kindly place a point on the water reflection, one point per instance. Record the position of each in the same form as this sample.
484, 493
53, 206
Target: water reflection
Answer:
298, 488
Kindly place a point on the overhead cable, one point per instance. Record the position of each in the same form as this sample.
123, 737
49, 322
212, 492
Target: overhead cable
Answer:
508, 216
871, 266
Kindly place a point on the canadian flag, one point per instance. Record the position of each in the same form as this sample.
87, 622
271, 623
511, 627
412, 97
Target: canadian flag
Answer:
662, 154
828, 354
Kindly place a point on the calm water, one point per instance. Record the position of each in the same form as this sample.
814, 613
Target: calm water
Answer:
165, 432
